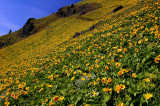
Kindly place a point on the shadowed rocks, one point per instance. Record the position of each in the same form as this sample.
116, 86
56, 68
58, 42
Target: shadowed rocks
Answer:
1, 44
92, 27
76, 34
118, 8
84, 9
79, 33
28, 27
73, 9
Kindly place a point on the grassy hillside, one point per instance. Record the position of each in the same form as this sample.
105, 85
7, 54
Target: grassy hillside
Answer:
39, 24
117, 63
33, 25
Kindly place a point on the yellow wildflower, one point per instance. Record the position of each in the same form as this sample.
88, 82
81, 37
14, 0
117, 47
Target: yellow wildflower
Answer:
41, 90
104, 80
74, 72
55, 99
56, 76
107, 89
156, 60
98, 79
121, 104
7, 93
96, 61
94, 83
15, 97
112, 61
136, 50
87, 64
120, 72
95, 93
80, 72
61, 98
46, 100
106, 67
110, 89
119, 50
122, 86
140, 41
49, 86
147, 79
84, 74
51, 104
27, 88
82, 79
7, 103
148, 96
156, 18
146, 39
12, 94
109, 80
120, 56
17, 81
134, 75
2, 96
8, 90
24, 83
89, 75
72, 78
50, 77
118, 64
20, 86
118, 88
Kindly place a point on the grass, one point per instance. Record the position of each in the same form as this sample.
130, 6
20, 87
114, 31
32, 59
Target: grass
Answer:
39, 24
115, 64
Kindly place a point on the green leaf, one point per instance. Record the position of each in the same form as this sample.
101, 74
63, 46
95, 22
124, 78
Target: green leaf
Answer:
131, 104
101, 62
124, 81
148, 63
142, 100
78, 98
157, 104
103, 104
150, 46
143, 60
128, 83
106, 98
135, 93
63, 92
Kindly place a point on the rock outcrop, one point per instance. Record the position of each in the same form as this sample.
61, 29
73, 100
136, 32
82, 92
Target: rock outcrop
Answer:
81, 10
1, 44
92, 27
28, 27
76, 34
118, 8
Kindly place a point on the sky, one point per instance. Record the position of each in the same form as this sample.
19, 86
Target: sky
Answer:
15, 13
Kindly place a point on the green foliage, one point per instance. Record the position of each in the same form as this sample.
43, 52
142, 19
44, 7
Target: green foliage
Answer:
115, 64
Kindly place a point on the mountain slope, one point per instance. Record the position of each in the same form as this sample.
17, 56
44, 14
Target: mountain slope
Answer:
33, 25
116, 63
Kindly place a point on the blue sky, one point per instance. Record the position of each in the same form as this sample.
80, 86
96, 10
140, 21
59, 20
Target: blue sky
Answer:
14, 13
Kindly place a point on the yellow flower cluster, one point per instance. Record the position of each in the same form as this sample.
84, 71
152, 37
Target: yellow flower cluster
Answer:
148, 95
120, 87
